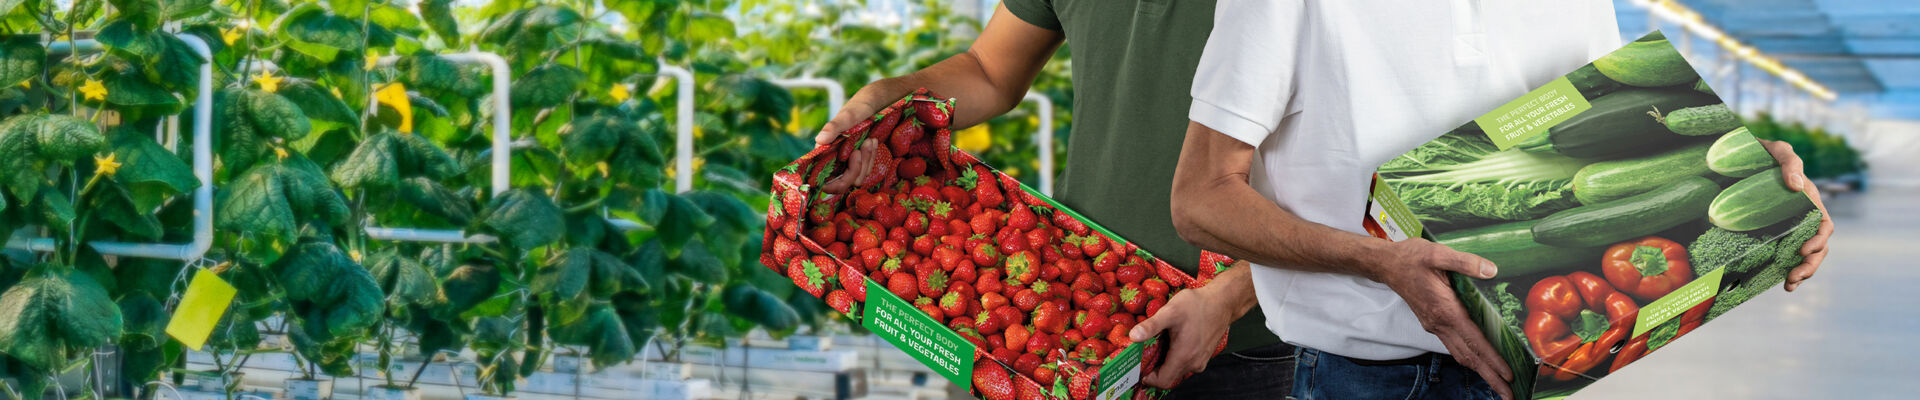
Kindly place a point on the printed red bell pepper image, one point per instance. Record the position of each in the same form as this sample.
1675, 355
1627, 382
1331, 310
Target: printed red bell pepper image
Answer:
1647, 268
1575, 320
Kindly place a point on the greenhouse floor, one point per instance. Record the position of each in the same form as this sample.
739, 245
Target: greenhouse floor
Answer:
1852, 332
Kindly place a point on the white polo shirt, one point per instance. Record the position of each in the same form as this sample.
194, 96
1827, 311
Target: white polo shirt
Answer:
1329, 90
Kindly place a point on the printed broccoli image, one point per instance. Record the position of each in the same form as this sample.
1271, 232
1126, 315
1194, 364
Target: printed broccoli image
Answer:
1784, 255
1740, 252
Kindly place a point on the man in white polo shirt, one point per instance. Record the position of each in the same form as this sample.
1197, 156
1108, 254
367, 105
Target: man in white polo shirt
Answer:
1296, 103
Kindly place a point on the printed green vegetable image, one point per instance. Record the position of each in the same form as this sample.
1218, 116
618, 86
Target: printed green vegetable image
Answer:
1612, 180
1618, 125
1779, 256
1462, 179
1738, 154
1652, 63
1700, 121
1757, 201
1639, 215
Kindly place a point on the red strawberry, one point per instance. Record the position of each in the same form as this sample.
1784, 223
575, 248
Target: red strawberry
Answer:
902, 284
917, 223
1046, 373
1132, 300
1092, 325
1168, 274
808, 275
952, 306
987, 324
888, 268
1130, 274
984, 254
883, 129
1103, 305
957, 226
1016, 337
933, 311
839, 249
871, 258
912, 167
905, 135
1069, 223
985, 222
948, 256
1085, 282
933, 284
983, 184
1022, 268
1030, 391
1026, 363
943, 146
893, 248
1008, 316
1106, 262
967, 332
992, 300
893, 214
1155, 288
1153, 306
964, 272
992, 381
896, 233
1093, 245
1040, 239
840, 301
864, 203
822, 234
866, 237
1050, 318
1041, 343
936, 114
957, 196
1027, 299
1022, 218
785, 250
854, 283
1118, 335
989, 281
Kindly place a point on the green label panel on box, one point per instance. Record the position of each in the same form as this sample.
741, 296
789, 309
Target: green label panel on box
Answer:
1677, 302
913, 332
1533, 113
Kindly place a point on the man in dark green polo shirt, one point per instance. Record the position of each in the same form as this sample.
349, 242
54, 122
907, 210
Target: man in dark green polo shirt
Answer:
1133, 67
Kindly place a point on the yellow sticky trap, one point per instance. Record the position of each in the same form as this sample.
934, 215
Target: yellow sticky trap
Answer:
207, 299
395, 95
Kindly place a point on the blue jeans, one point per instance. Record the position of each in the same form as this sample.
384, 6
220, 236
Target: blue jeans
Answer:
1323, 375
1263, 373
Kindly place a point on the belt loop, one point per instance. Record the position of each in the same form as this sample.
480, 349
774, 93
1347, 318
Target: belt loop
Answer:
1433, 373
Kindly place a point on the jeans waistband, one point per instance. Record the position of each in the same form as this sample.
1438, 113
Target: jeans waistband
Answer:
1415, 360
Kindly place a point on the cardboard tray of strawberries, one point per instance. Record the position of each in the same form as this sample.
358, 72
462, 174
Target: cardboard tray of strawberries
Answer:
998, 288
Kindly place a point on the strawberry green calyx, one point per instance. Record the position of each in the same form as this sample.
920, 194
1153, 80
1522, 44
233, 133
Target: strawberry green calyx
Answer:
1040, 287
968, 179
940, 209
1128, 294
814, 276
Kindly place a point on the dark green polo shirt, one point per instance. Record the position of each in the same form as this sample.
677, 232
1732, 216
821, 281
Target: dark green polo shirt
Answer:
1133, 63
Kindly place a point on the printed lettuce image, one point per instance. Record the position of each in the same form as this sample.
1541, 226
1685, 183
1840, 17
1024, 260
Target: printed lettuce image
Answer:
1462, 180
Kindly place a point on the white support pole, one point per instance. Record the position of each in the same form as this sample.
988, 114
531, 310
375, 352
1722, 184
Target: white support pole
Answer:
1044, 139
683, 126
202, 170
836, 94
501, 153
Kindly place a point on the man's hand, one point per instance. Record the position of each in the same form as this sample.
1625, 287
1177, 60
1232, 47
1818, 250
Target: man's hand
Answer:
1815, 250
1196, 321
1416, 269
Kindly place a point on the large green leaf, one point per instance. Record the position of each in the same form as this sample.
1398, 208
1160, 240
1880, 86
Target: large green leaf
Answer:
55, 210
144, 14
182, 9
273, 115
54, 313
21, 171
316, 102
546, 86
333, 296
374, 164
115, 205
467, 286
698, 263
761, 308
264, 207
150, 172
405, 281
65, 138
439, 17
602, 331
437, 200
523, 219
21, 58
311, 30
146, 321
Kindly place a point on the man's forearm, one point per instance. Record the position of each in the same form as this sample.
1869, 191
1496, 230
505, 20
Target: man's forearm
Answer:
1233, 290
963, 77
1217, 210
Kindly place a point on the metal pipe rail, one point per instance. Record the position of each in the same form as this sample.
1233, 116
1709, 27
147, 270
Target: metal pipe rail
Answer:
502, 160
202, 170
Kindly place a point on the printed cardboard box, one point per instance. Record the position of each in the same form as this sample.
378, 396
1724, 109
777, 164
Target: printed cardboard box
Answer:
1624, 204
958, 264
